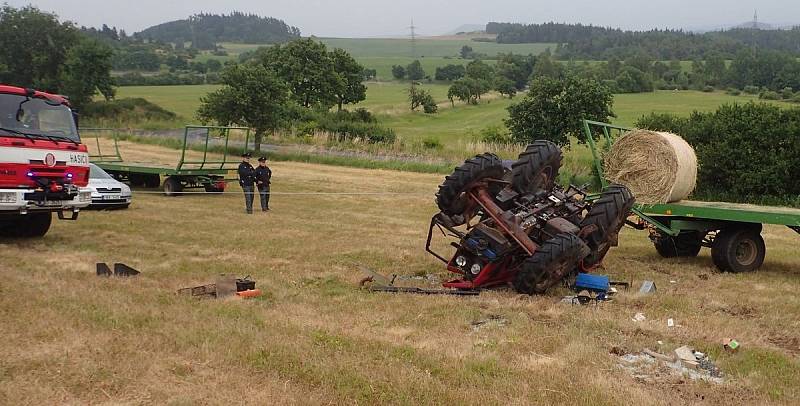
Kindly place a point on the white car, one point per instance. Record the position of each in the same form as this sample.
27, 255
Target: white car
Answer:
107, 192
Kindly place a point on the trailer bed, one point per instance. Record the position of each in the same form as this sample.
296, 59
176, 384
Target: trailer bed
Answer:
747, 213
152, 168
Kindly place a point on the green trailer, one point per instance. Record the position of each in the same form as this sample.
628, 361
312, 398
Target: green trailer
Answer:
205, 173
681, 229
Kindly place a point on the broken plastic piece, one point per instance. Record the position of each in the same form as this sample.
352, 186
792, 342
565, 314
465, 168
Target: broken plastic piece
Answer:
103, 269
124, 270
648, 287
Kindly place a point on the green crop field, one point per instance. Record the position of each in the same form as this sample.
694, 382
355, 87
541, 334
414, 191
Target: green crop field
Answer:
381, 53
388, 99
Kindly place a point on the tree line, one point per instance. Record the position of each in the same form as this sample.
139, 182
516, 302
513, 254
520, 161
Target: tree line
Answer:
204, 31
578, 41
41, 52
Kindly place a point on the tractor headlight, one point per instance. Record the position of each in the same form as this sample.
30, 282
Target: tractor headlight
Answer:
475, 269
461, 261
85, 196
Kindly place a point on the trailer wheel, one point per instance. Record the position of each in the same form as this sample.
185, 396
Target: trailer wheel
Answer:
738, 250
136, 180
608, 215
32, 225
451, 197
537, 168
172, 186
685, 244
554, 260
152, 181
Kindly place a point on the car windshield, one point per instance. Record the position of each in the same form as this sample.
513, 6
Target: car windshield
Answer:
35, 116
96, 173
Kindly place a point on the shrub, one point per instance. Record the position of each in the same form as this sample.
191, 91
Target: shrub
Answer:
343, 125
769, 95
795, 98
495, 135
787, 93
742, 149
733, 91
432, 143
751, 89
708, 89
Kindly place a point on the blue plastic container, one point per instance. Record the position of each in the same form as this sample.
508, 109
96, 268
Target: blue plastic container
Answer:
593, 283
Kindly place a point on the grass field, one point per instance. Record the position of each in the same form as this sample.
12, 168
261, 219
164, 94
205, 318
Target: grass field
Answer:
70, 337
385, 97
382, 53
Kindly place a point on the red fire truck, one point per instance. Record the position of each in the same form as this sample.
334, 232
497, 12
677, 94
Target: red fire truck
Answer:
44, 167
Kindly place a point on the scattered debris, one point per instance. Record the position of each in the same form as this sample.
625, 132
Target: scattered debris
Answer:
375, 282
687, 362
226, 286
617, 351
648, 287
703, 276
670, 323
658, 355
730, 344
639, 317
119, 270
492, 320
673, 281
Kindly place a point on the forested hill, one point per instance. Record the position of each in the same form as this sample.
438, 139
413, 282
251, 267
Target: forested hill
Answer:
592, 42
204, 30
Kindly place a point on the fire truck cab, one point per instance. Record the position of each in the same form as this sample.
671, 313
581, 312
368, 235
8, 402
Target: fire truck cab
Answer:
44, 167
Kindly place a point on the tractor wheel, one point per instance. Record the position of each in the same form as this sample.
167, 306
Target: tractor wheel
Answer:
738, 250
33, 225
452, 195
608, 215
537, 168
172, 186
685, 244
152, 181
554, 260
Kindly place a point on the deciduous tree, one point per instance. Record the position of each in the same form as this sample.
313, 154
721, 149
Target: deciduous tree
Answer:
253, 96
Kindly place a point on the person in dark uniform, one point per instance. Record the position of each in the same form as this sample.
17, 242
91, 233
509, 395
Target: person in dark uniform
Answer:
247, 177
263, 178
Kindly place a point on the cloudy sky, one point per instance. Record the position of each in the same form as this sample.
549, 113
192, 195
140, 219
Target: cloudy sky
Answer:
364, 18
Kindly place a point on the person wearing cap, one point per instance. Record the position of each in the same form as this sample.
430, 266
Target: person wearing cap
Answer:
247, 177
263, 177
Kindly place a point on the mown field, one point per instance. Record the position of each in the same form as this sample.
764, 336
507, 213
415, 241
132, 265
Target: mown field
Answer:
389, 99
70, 337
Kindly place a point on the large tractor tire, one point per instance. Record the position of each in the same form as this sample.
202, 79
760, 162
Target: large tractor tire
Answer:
738, 250
685, 244
536, 169
608, 215
452, 196
557, 258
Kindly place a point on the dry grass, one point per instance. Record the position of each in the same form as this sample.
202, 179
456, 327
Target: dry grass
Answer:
71, 337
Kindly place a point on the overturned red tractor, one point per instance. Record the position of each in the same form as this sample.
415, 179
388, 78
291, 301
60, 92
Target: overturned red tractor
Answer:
515, 225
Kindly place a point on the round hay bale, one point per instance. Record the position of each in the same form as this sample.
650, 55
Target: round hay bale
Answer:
658, 167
